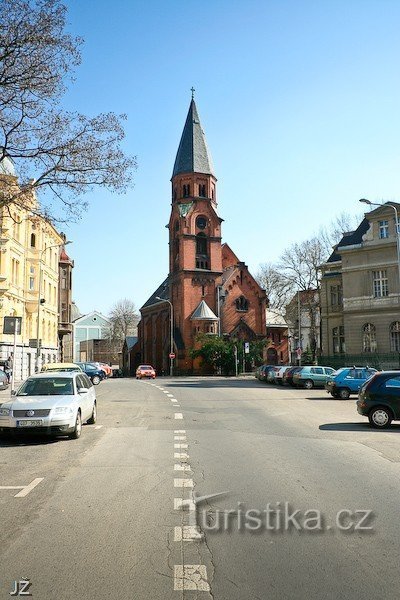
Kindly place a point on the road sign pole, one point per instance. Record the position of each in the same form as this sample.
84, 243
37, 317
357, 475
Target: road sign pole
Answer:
14, 360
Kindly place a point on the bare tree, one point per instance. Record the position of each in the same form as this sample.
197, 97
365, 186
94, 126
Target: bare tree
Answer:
277, 287
332, 234
62, 153
124, 319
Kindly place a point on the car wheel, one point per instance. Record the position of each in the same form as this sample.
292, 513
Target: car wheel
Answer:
93, 418
308, 384
96, 380
344, 394
335, 395
380, 417
76, 434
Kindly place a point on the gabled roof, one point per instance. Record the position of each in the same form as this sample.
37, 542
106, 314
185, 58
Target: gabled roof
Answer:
162, 291
93, 316
203, 313
130, 341
193, 155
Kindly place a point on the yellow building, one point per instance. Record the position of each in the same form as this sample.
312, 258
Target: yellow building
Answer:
29, 279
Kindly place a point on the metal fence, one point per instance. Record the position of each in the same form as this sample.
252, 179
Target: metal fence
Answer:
378, 361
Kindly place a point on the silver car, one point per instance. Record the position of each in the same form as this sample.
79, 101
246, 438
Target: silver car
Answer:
56, 403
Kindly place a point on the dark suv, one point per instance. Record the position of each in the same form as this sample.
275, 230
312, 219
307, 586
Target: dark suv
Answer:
379, 399
95, 375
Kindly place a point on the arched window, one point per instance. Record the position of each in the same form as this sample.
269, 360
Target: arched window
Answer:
33, 240
201, 244
369, 338
395, 336
242, 304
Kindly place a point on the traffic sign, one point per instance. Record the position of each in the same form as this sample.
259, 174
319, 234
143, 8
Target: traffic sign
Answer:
247, 347
171, 355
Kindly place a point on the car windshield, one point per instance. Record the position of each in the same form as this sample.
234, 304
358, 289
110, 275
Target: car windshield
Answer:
47, 386
146, 367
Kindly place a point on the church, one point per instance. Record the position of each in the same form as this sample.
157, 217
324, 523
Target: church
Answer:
208, 289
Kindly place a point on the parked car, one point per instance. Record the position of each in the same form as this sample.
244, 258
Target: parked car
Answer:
280, 373
145, 371
93, 372
288, 376
61, 367
348, 380
310, 377
55, 403
3, 380
379, 399
271, 374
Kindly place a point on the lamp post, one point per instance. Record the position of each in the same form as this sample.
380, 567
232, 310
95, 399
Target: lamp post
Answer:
171, 346
38, 348
365, 201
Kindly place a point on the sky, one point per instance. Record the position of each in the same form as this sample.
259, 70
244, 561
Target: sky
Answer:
299, 101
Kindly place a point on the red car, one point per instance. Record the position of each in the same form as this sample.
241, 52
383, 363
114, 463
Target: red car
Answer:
145, 371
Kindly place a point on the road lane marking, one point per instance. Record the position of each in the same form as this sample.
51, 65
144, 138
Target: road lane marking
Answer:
170, 395
183, 483
98, 426
178, 416
181, 455
187, 533
184, 467
178, 446
180, 438
191, 577
179, 430
181, 504
25, 489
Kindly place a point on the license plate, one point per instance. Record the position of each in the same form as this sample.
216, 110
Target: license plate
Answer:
37, 423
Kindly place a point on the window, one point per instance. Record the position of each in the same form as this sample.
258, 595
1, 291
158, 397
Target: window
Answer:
369, 338
202, 190
15, 271
186, 190
393, 383
336, 295
242, 304
201, 244
63, 283
380, 283
395, 336
383, 229
201, 222
201, 264
33, 240
339, 346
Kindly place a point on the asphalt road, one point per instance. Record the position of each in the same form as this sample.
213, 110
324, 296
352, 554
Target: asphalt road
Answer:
101, 517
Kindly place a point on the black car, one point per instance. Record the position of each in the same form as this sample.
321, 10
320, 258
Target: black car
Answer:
288, 376
379, 399
95, 375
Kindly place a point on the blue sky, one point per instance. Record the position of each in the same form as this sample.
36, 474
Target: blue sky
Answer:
299, 100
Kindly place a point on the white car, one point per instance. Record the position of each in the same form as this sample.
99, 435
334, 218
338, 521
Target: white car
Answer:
56, 403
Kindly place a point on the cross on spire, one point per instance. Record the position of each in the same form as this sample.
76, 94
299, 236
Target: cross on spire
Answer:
193, 91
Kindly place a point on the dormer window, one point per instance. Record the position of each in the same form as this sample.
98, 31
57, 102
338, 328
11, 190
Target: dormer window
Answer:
383, 229
202, 190
242, 304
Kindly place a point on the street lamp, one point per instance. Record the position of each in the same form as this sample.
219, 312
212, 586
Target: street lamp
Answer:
365, 201
171, 352
38, 348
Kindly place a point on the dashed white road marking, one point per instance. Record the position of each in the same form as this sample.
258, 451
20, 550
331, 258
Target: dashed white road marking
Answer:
177, 405
184, 467
173, 400
181, 504
25, 489
187, 533
179, 430
180, 438
181, 455
177, 446
165, 392
98, 426
170, 395
178, 416
183, 483
191, 577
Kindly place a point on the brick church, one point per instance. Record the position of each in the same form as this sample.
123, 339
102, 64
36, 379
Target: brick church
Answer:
208, 288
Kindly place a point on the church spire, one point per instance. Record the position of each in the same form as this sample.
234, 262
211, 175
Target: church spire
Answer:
193, 155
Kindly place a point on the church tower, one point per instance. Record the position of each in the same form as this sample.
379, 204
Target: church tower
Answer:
195, 257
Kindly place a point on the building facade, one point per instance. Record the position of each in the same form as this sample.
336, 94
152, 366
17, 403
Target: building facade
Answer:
276, 350
360, 294
209, 289
30, 249
304, 340
93, 326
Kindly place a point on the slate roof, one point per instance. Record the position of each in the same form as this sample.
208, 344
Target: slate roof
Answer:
130, 341
162, 291
350, 239
203, 313
193, 155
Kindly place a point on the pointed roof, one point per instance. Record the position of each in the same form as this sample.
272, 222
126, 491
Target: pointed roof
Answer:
203, 313
193, 155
